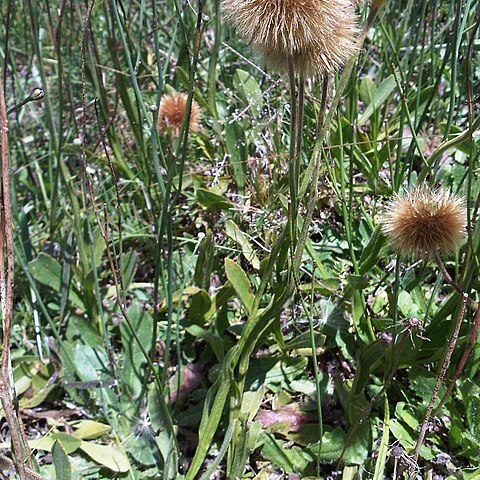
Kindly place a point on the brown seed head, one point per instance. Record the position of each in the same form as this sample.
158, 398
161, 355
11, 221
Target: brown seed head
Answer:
425, 221
171, 112
318, 36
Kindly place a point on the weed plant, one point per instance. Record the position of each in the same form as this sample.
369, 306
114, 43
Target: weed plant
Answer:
221, 301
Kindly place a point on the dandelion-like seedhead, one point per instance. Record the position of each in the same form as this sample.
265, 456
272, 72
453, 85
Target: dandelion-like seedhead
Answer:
318, 36
425, 222
171, 112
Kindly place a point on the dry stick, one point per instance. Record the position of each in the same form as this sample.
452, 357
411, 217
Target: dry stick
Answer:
7, 464
118, 262
7, 387
466, 353
86, 26
463, 360
440, 378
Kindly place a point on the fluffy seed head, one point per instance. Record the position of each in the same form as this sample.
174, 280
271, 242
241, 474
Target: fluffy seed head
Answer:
171, 112
425, 221
318, 36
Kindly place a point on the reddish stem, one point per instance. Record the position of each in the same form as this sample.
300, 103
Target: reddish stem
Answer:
462, 362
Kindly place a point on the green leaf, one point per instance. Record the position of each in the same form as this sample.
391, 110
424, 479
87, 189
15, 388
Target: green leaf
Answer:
422, 382
381, 94
204, 265
332, 446
133, 370
271, 372
303, 385
237, 151
249, 90
200, 304
473, 415
23, 373
40, 386
80, 331
366, 90
209, 199
251, 402
179, 296
110, 457
90, 363
292, 460
129, 263
406, 304
47, 271
158, 411
358, 314
90, 430
155, 407
232, 231
402, 435
303, 341
239, 280
367, 360
143, 448
216, 342
357, 450
69, 443
220, 299
209, 473
402, 412
371, 252
358, 282
63, 470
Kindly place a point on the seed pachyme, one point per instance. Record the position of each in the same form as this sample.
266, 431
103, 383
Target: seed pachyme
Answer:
316, 36
425, 222
172, 111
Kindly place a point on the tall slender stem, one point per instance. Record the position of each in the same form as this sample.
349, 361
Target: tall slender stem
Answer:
7, 386
462, 362
299, 133
292, 170
440, 378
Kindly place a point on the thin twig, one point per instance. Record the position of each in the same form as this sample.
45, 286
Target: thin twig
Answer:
35, 95
440, 378
118, 261
7, 464
462, 362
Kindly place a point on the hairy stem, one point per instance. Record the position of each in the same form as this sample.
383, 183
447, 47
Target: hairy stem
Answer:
462, 362
441, 376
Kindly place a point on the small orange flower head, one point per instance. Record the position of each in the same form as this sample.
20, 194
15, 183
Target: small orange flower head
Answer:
425, 222
171, 112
